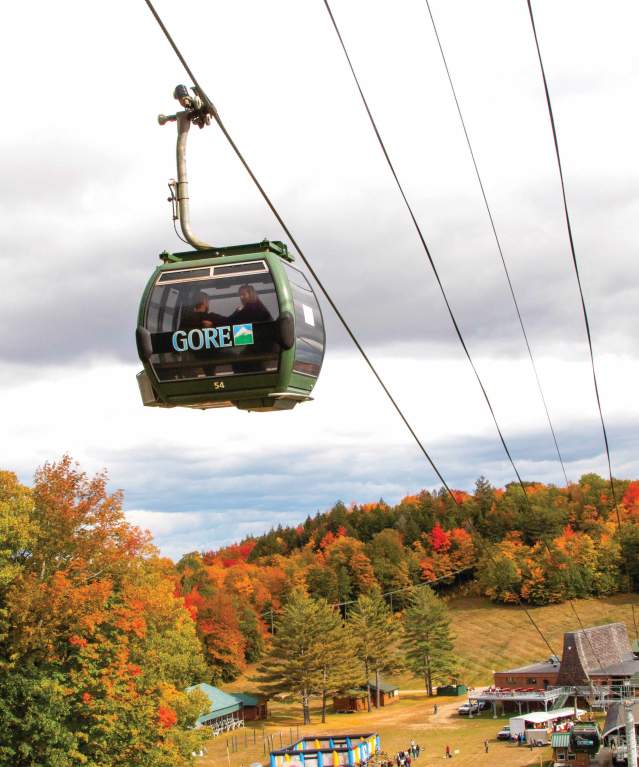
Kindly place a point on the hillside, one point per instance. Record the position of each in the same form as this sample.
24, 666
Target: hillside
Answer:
493, 637
541, 547
488, 637
496, 637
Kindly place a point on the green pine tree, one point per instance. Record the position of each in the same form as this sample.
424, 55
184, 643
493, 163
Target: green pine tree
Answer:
375, 634
293, 667
428, 642
339, 668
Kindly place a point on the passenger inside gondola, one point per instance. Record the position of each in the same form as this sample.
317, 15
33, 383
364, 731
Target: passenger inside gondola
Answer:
216, 304
251, 308
199, 316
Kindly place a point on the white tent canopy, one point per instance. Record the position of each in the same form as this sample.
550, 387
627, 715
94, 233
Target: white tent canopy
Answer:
519, 724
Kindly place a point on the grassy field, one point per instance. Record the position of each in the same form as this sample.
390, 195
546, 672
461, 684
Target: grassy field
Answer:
410, 718
492, 637
488, 637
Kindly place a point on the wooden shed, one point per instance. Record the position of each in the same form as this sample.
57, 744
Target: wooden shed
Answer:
349, 701
254, 708
452, 690
388, 693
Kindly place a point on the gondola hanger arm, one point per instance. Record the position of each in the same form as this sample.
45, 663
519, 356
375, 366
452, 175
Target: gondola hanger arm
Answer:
196, 111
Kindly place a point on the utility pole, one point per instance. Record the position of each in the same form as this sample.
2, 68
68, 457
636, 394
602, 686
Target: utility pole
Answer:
631, 737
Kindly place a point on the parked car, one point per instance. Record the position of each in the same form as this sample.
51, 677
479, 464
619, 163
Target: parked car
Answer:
504, 733
471, 708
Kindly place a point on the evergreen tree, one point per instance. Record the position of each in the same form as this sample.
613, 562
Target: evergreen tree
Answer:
294, 664
375, 637
338, 667
427, 639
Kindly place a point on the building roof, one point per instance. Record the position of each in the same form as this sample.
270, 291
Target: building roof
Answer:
247, 700
560, 740
626, 668
222, 704
383, 686
543, 667
540, 717
588, 650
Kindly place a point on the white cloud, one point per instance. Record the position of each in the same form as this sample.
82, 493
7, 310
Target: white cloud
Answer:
198, 480
165, 523
83, 216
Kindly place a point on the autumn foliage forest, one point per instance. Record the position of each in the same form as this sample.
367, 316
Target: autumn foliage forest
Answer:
550, 545
100, 635
96, 646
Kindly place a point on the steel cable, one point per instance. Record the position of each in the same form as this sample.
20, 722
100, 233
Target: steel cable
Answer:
574, 258
512, 293
214, 113
625, 560
425, 247
497, 241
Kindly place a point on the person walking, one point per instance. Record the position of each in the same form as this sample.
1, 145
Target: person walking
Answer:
448, 754
485, 746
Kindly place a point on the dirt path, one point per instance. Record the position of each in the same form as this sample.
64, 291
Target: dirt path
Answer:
411, 719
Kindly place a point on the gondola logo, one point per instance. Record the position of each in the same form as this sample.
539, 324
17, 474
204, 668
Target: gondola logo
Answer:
243, 334
212, 338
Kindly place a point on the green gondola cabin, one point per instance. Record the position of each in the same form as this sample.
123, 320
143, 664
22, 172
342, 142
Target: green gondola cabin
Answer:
237, 326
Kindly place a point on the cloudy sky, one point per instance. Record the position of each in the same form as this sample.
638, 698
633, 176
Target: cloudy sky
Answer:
83, 215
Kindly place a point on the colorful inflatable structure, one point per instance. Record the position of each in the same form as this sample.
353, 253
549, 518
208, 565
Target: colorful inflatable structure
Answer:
327, 751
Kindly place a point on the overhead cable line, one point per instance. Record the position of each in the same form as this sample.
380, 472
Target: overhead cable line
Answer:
430, 582
499, 248
581, 295
457, 572
214, 113
270, 613
425, 247
574, 259
439, 282
512, 293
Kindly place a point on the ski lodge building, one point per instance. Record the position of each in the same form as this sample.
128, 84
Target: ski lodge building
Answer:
599, 661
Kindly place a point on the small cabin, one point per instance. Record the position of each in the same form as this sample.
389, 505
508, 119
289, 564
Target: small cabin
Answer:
350, 701
224, 710
230, 710
452, 690
254, 708
388, 693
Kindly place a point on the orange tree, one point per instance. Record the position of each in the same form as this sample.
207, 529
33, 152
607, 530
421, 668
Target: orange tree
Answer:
95, 649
